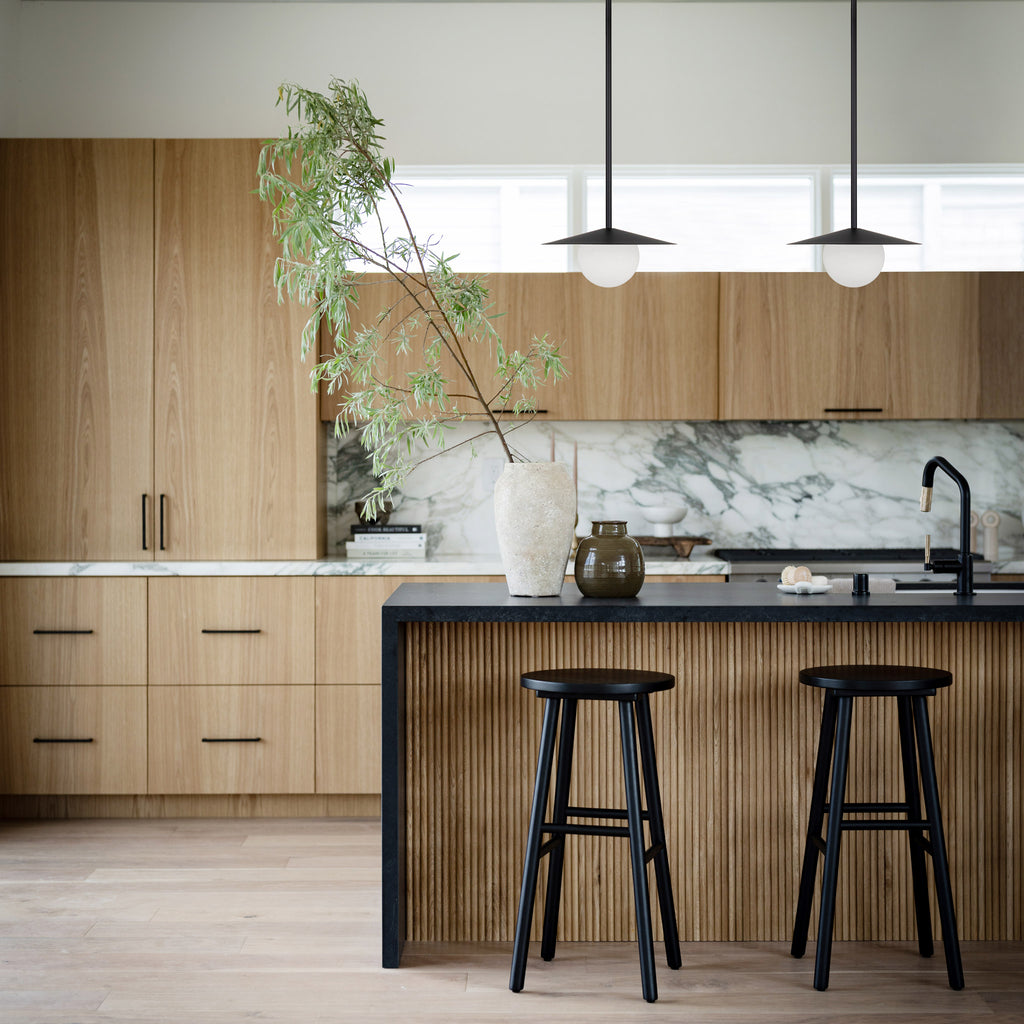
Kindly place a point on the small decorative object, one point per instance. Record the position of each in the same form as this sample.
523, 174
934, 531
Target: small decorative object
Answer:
664, 517
534, 513
609, 563
379, 518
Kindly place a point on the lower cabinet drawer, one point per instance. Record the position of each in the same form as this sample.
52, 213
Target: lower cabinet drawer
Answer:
72, 739
231, 739
348, 739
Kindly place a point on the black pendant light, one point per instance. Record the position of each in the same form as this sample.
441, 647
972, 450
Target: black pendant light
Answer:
853, 256
608, 256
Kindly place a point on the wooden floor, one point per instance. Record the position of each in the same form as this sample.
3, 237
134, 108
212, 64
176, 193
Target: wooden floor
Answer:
128, 920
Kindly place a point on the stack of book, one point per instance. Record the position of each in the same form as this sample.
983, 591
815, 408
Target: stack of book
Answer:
399, 541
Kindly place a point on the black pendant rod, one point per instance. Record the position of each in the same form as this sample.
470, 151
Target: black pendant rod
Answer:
607, 113
853, 114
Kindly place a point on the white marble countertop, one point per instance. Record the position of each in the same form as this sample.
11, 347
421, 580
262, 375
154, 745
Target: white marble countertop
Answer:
444, 565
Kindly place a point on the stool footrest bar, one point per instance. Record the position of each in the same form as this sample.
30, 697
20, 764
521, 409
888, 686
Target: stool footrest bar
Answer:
883, 825
599, 812
871, 808
586, 830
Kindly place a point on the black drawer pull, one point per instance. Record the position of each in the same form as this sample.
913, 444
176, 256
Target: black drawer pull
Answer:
232, 739
62, 632
232, 631
43, 739
510, 411
163, 507
858, 409
145, 546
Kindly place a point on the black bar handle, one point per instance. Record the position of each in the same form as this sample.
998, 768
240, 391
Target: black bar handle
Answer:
856, 409
163, 502
61, 632
232, 630
511, 412
42, 739
145, 546
232, 739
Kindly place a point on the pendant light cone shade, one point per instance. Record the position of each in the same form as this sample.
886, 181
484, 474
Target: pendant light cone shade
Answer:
853, 256
608, 256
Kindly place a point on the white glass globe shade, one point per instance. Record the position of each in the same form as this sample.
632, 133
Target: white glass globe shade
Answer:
853, 266
607, 266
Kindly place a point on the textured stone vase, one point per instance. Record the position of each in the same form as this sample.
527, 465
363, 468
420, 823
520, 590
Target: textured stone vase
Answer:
609, 563
534, 513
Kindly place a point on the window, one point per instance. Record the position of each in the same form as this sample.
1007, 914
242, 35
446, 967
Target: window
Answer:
726, 219
963, 221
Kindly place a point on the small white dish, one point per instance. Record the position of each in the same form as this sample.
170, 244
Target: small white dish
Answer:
804, 588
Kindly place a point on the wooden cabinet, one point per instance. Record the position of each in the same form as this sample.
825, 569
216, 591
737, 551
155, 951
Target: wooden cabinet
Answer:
348, 739
72, 632
231, 739
646, 351
908, 346
152, 399
237, 630
72, 685
237, 460
798, 346
76, 348
72, 739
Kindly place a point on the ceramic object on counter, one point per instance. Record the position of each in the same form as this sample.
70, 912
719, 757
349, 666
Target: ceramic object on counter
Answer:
664, 517
609, 563
534, 515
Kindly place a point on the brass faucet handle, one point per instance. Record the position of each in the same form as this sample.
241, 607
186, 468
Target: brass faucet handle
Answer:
926, 499
927, 548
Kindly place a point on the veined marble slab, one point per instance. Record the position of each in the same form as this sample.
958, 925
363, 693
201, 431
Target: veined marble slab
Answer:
446, 565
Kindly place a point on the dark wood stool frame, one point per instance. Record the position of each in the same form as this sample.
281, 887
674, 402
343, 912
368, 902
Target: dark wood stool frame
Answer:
910, 687
561, 691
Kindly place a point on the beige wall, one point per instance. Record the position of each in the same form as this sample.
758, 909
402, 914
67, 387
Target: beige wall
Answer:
521, 82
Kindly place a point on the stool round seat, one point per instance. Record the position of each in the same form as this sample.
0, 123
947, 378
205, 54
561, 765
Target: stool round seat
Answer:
596, 683
877, 680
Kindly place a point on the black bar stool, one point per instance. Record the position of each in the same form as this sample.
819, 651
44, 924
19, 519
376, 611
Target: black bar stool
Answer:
561, 689
910, 687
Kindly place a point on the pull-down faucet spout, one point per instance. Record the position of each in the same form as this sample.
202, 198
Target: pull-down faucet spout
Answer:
963, 566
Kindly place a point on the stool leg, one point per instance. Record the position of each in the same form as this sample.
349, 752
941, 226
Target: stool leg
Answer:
826, 738
830, 874
657, 822
556, 858
908, 754
943, 889
644, 935
531, 859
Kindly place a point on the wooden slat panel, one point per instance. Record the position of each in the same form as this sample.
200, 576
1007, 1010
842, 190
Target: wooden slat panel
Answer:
736, 742
114, 652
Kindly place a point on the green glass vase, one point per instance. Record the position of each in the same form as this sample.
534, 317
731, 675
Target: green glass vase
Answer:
609, 563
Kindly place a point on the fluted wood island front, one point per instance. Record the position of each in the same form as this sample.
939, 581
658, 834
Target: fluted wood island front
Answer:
735, 751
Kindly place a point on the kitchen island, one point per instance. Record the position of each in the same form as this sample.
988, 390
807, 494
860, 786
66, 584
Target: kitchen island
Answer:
735, 748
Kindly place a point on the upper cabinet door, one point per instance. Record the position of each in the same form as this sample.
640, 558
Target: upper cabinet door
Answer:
76, 345
237, 470
645, 351
798, 346
1001, 306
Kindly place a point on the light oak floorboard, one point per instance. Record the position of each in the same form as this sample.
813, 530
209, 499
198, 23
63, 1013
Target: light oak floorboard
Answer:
219, 921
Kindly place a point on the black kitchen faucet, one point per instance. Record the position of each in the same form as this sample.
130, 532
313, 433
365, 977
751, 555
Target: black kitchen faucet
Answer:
963, 566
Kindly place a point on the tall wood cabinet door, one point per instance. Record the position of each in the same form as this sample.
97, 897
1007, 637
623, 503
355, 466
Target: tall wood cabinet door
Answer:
237, 438
645, 351
76, 348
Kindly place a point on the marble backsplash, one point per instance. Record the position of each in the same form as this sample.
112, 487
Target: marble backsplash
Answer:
744, 484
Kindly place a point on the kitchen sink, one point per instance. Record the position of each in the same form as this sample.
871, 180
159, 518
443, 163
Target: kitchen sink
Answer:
949, 588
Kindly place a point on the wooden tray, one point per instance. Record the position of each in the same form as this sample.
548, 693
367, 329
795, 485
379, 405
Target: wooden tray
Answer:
682, 545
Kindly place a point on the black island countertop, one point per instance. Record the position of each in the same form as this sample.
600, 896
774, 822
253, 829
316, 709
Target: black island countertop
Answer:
682, 602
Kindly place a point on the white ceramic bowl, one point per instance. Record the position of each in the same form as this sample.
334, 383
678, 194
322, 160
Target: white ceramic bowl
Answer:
664, 517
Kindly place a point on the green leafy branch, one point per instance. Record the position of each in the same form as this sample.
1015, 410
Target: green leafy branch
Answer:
327, 180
